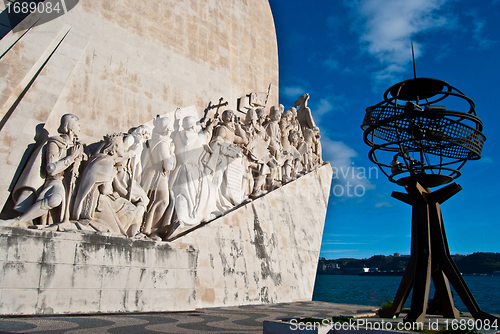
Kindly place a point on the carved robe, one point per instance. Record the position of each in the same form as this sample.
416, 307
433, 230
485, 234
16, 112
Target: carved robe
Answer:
193, 191
230, 169
155, 181
96, 203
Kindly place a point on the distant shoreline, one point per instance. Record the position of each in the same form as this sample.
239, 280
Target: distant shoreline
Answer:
476, 264
399, 273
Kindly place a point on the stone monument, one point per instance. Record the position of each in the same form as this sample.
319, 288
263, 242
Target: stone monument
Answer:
130, 185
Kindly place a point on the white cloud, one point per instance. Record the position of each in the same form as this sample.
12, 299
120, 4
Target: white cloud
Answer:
322, 107
293, 92
486, 160
383, 204
389, 74
443, 52
332, 64
349, 181
478, 33
338, 153
386, 28
329, 104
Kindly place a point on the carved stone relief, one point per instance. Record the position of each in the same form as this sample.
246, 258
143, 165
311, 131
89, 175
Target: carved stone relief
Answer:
156, 183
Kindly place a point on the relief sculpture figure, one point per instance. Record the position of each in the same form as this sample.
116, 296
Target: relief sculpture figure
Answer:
156, 184
160, 161
228, 177
298, 149
304, 115
60, 159
257, 151
124, 183
274, 132
286, 127
192, 188
100, 203
141, 134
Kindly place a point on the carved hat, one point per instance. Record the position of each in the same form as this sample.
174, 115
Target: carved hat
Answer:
251, 116
188, 122
143, 131
68, 122
162, 124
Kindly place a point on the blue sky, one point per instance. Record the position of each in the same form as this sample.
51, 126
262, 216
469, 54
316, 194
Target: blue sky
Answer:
345, 54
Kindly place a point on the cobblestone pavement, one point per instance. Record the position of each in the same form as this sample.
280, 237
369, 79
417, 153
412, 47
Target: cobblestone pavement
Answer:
238, 319
242, 319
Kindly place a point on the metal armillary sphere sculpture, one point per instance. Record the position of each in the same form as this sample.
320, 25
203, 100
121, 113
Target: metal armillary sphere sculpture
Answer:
433, 142
419, 143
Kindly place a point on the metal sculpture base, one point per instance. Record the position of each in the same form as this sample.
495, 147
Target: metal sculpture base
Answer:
430, 258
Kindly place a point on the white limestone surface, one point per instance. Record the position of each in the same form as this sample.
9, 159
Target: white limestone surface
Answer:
43, 272
266, 251
263, 252
117, 64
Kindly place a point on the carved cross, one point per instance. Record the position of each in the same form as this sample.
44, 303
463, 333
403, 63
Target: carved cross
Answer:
210, 107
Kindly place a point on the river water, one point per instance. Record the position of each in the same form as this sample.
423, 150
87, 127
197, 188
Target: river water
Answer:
376, 290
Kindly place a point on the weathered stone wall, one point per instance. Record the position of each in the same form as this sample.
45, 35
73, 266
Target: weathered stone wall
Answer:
118, 63
266, 251
263, 252
45, 272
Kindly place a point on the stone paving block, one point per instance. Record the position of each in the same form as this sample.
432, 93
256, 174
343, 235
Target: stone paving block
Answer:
185, 299
59, 251
115, 277
56, 276
112, 300
53, 301
141, 278
3, 245
84, 300
89, 253
25, 249
19, 275
186, 279
138, 300
164, 299
87, 277
18, 301
117, 255
165, 279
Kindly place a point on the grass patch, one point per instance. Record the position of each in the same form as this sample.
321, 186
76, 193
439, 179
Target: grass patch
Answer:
387, 305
